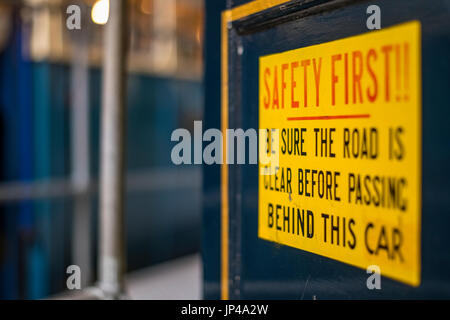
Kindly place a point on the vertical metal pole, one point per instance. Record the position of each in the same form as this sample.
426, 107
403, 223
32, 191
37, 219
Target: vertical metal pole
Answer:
80, 176
80, 155
112, 233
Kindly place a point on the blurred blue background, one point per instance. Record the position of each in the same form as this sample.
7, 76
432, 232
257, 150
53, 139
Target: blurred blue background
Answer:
48, 220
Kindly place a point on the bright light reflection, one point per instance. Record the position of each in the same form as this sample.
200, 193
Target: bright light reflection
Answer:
100, 12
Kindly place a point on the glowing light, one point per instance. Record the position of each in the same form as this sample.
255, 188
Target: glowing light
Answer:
100, 12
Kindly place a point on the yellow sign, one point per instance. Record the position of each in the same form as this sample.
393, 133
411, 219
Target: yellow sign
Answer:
344, 120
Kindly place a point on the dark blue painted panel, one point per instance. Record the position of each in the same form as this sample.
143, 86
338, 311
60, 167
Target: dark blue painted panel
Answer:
268, 270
